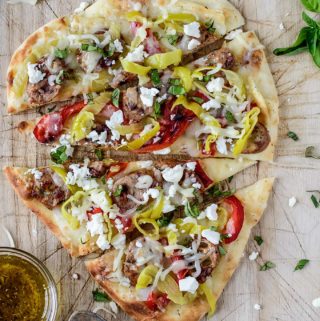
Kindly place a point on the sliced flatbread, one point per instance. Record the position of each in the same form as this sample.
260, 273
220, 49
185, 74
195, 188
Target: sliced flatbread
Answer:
254, 199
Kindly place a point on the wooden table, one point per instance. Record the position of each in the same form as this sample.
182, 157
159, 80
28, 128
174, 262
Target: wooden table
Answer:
289, 234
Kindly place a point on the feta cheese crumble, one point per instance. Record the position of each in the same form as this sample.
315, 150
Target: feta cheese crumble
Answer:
215, 85
191, 166
192, 29
211, 212
292, 201
37, 174
173, 175
212, 103
137, 55
253, 256
147, 95
144, 181
194, 43
100, 139
102, 242
35, 75
164, 151
115, 120
96, 225
233, 34
211, 236
118, 45
188, 284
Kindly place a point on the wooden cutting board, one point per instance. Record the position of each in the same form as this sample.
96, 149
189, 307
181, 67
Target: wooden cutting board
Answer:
289, 234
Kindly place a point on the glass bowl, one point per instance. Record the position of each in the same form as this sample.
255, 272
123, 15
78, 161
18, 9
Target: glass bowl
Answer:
51, 298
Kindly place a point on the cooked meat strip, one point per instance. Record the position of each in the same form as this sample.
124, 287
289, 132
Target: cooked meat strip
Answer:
124, 79
97, 169
258, 141
50, 190
222, 56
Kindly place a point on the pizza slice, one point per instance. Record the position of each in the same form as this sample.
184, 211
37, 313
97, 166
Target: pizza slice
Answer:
181, 275
89, 206
112, 44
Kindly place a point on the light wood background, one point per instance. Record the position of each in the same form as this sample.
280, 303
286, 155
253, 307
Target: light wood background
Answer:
289, 234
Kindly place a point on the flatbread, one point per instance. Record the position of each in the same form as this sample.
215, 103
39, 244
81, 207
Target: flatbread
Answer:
216, 169
254, 199
100, 16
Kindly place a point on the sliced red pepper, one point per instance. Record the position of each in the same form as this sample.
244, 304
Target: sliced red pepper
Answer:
121, 167
205, 179
50, 126
96, 210
151, 43
127, 223
235, 222
157, 301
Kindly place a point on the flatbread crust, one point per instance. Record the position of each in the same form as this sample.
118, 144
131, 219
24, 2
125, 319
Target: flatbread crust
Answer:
254, 199
96, 17
216, 169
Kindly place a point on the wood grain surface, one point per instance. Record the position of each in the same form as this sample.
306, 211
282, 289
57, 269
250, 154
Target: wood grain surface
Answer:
289, 234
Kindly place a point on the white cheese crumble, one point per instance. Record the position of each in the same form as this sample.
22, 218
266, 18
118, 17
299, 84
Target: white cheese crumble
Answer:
115, 120
98, 138
147, 95
211, 236
102, 242
197, 185
189, 284
139, 244
51, 80
118, 45
145, 164
164, 151
144, 181
168, 207
36, 173
221, 144
192, 29
215, 85
75, 276
211, 212
191, 166
153, 192
233, 34
137, 55
257, 307
253, 256
173, 175
316, 303
162, 98
35, 75
212, 103
96, 225
292, 201
90, 60
194, 43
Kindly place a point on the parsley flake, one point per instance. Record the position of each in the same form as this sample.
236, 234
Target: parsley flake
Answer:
315, 201
116, 97
173, 39
99, 296
293, 136
191, 210
61, 53
99, 154
229, 116
118, 191
267, 266
222, 250
301, 264
59, 155
258, 239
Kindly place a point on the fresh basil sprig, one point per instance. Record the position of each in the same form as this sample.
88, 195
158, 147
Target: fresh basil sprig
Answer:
312, 5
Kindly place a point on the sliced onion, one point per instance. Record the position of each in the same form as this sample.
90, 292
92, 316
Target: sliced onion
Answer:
132, 198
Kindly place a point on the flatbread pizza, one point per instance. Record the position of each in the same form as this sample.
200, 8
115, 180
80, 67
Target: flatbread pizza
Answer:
181, 275
87, 205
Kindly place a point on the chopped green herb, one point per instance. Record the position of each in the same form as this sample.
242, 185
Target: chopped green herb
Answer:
89, 97
176, 90
198, 100
172, 39
267, 266
210, 26
174, 81
310, 152
293, 136
103, 180
207, 78
99, 154
217, 192
59, 155
222, 250
89, 48
191, 210
258, 239
61, 76
224, 236
214, 228
61, 53
229, 116
165, 220
118, 191
100, 296
155, 77
315, 201
116, 97
301, 264
110, 52
157, 109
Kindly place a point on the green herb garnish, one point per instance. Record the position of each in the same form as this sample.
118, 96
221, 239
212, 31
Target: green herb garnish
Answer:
100, 296
301, 264
229, 116
116, 97
99, 154
217, 192
174, 81
191, 210
315, 201
222, 250
224, 236
214, 228
267, 266
198, 100
165, 220
230, 179
59, 155
157, 109
61, 53
118, 191
176, 90
311, 152
258, 239
61, 76
210, 26
155, 77
293, 135
173, 39
312, 5
89, 48
103, 180
206, 78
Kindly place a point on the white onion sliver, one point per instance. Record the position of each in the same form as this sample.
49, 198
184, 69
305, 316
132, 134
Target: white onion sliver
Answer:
132, 198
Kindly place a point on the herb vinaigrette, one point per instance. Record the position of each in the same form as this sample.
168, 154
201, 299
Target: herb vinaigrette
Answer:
22, 290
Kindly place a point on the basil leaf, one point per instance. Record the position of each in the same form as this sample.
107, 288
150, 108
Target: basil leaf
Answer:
173, 39
267, 266
176, 90
293, 135
298, 46
315, 201
309, 21
258, 239
59, 156
198, 100
222, 250
311, 5
100, 296
155, 77
157, 109
191, 210
118, 191
165, 220
229, 116
310, 152
301, 264
313, 41
99, 154
116, 97
61, 53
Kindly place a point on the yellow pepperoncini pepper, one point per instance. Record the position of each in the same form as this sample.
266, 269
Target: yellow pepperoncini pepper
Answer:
81, 126
210, 297
210, 140
63, 174
185, 75
146, 277
235, 80
134, 68
135, 16
181, 17
193, 106
163, 60
134, 128
249, 122
98, 103
170, 287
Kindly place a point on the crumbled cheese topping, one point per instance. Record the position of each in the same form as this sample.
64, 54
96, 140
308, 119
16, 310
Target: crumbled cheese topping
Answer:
192, 29
292, 201
164, 151
233, 34
36, 173
188, 284
211, 236
153, 192
194, 43
35, 75
173, 175
99, 139
316, 303
253, 256
118, 45
211, 212
102, 242
96, 226
212, 103
147, 95
221, 144
115, 120
145, 164
191, 166
215, 85
137, 55
144, 181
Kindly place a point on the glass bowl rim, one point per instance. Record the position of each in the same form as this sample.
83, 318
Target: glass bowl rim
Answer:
52, 305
